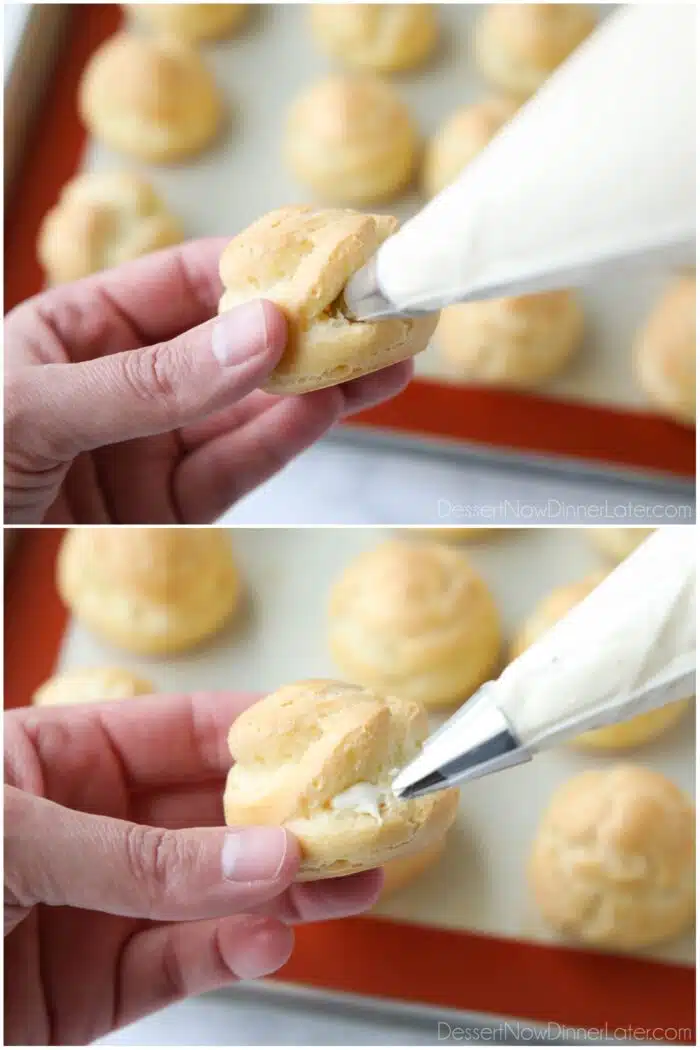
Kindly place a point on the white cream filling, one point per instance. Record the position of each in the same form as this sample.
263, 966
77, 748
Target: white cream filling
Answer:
364, 797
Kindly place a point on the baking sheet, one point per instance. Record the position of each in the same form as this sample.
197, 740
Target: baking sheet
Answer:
243, 177
478, 884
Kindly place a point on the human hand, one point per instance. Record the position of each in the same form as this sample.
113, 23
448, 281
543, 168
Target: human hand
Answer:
123, 892
125, 402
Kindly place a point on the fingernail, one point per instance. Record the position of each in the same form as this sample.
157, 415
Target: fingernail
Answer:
253, 854
333, 898
240, 334
259, 947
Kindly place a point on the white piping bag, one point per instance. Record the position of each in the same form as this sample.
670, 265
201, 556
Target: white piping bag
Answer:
595, 172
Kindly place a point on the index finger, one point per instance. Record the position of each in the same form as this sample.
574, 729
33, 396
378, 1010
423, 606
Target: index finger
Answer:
158, 740
149, 300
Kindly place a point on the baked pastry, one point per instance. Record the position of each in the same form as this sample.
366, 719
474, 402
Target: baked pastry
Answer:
613, 863
634, 731
462, 136
149, 590
301, 258
102, 220
666, 352
153, 99
383, 37
191, 22
351, 139
517, 46
86, 685
402, 871
414, 620
515, 342
318, 757
618, 544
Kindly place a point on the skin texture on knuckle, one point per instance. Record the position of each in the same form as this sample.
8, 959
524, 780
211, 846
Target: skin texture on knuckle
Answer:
37, 443
22, 403
15, 892
24, 874
162, 864
154, 373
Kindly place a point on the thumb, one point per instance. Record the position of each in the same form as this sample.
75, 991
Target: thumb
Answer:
137, 393
58, 856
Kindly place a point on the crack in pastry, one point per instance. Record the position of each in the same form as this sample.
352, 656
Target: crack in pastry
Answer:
351, 138
153, 99
515, 341
383, 37
191, 22
301, 258
613, 862
87, 685
666, 352
149, 590
309, 756
518, 46
102, 220
415, 620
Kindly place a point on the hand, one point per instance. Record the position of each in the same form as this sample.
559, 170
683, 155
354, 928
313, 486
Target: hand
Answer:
123, 892
125, 402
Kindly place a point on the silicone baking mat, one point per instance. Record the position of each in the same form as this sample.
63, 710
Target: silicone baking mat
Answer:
464, 936
592, 415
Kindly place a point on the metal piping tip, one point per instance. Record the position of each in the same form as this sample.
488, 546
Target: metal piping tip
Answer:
476, 741
423, 786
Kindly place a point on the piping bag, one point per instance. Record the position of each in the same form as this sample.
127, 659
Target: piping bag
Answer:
595, 173
627, 648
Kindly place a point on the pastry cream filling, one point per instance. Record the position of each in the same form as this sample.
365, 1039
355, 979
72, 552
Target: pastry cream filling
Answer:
363, 798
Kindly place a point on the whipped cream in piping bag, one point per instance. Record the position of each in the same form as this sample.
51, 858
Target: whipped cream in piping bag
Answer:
627, 648
596, 170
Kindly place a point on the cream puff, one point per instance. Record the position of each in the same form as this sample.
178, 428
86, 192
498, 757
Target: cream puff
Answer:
512, 342
149, 590
517, 46
191, 22
415, 620
613, 862
462, 136
318, 758
87, 685
382, 37
153, 99
666, 352
634, 731
102, 220
351, 139
301, 259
